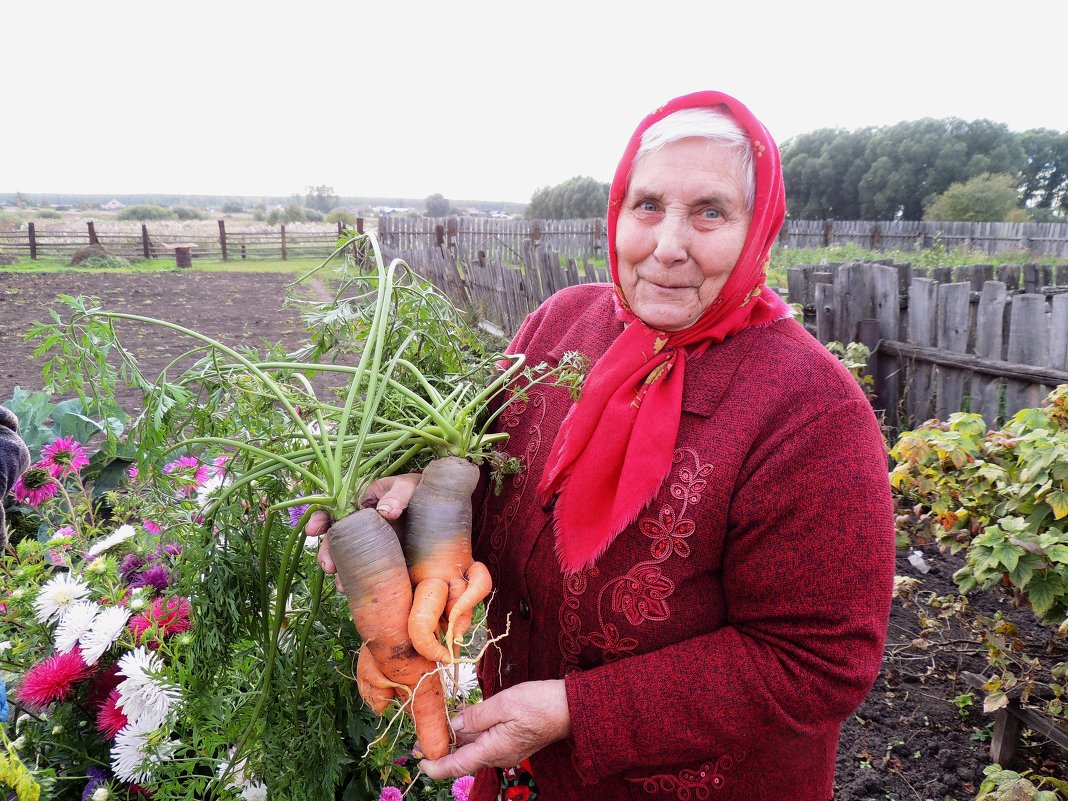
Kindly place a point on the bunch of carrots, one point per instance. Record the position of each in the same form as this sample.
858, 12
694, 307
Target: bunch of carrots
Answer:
422, 394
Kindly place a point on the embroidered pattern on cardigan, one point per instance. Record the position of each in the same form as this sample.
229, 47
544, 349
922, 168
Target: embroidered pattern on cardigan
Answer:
510, 419
692, 783
642, 593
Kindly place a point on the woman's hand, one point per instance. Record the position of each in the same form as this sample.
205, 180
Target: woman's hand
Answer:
504, 730
389, 496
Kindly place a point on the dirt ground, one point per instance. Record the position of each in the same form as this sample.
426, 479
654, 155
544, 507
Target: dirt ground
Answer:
240, 309
907, 742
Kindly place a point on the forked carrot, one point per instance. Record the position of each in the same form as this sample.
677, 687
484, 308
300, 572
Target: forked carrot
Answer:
437, 547
371, 566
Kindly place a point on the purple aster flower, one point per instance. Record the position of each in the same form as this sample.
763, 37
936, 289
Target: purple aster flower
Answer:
390, 794
63, 457
294, 514
156, 576
170, 549
97, 776
461, 788
131, 563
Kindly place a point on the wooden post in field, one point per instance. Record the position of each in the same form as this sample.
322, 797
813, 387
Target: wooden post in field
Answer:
222, 238
283, 227
145, 249
92, 234
33, 242
359, 225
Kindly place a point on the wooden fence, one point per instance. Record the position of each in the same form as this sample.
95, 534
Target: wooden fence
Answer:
225, 245
966, 341
1040, 239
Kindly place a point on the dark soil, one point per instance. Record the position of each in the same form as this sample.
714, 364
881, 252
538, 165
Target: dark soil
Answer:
240, 309
907, 742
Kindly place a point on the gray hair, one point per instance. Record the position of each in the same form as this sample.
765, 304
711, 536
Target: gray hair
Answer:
714, 124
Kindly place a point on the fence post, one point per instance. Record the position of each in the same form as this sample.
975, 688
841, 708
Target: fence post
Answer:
283, 227
359, 225
33, 242
144, 241
92, 234
828, 232
222, 237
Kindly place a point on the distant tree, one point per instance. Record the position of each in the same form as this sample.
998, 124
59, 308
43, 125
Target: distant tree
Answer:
232, 207
437, 205
984, 198
576, 198
313, 215
822, 171
1044, 177
321, 198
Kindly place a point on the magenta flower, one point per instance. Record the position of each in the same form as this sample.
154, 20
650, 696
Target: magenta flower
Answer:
131, 563
63, 456
461, 788
53, 679
131, 471
170, 617
35, 486
150, 526
390, 794
65, 531
189, 472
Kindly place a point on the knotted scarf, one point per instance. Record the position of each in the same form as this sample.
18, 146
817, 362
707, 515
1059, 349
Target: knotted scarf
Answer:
615, 447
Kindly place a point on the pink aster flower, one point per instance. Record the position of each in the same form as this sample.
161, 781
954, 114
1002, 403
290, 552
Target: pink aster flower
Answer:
63, 456
131, 471
461, 788
53, 679
35, 486
390, 794
111, 718
65, 531
150, 526
169, 617
189, 472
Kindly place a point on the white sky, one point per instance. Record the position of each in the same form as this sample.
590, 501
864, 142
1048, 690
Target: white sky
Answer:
476, 100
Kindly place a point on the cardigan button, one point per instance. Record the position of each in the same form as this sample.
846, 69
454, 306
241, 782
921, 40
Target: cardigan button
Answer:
524, 609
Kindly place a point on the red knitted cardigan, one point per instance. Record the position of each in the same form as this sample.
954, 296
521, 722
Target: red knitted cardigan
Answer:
721, 639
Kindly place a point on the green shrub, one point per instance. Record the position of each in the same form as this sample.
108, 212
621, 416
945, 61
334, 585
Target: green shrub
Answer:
105, 263
232, 207
313, 215
48, 214
343, 216
146, 211
188, 213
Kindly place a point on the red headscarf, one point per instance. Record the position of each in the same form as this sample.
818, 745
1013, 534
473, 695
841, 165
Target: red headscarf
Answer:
615, 447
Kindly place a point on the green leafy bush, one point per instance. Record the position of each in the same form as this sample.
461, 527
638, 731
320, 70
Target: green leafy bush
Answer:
146, 211
1001, 495
189, 213
343, 216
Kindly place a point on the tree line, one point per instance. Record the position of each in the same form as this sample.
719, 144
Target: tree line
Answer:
901, 171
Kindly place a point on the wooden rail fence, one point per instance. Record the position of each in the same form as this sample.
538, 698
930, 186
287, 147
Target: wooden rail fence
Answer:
945, 344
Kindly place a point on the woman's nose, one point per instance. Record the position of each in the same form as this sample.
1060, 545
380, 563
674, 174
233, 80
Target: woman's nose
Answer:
672, 240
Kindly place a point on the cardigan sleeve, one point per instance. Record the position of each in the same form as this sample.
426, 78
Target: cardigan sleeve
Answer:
14, 458
807, 574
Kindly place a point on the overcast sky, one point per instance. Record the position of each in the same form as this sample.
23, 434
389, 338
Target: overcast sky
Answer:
475, 100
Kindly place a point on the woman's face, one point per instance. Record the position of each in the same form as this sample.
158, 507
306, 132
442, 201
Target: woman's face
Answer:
680, 231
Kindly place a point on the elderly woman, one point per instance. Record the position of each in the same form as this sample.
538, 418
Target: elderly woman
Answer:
696, 562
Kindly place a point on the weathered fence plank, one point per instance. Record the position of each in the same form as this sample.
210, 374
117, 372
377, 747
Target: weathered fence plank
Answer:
1028, 344
990, 324
923, 313
952, 335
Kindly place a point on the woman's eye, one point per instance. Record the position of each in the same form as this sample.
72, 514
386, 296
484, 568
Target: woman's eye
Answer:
647, 205
711, 214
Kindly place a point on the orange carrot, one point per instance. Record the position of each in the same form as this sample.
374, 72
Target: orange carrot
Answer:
371, 566
437, 547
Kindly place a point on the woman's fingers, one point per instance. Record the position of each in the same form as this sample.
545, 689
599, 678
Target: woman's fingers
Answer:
390, 495
318, 523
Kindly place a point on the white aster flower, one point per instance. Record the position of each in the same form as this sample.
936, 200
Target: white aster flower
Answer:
106, 628
75, 624
121, 534
57, 596
206, 490
237, 772
5, 646
137, 752
255, 791
463, 681
101, 794
143, 696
